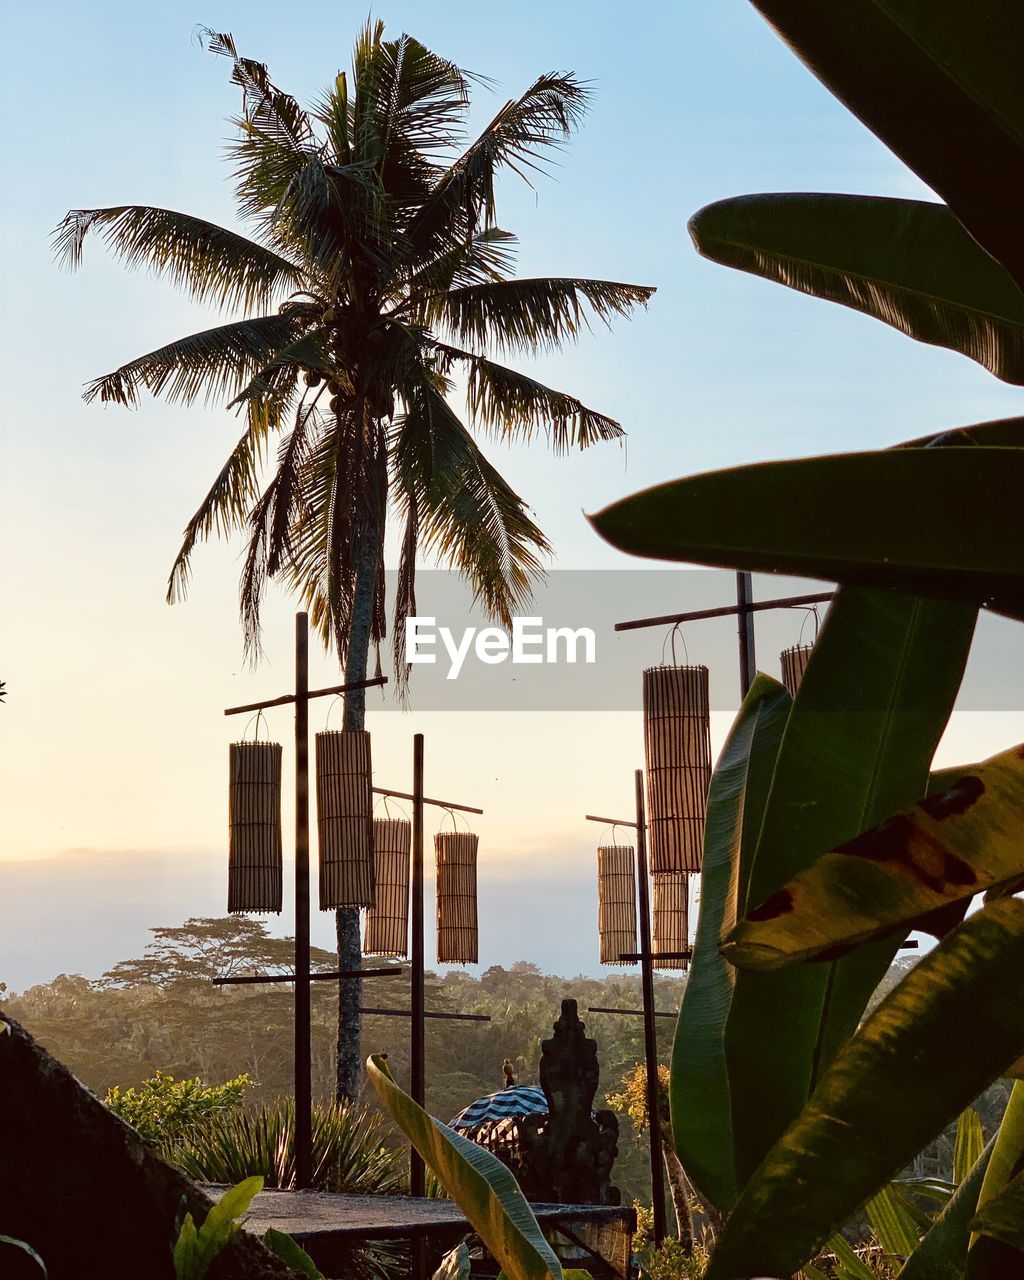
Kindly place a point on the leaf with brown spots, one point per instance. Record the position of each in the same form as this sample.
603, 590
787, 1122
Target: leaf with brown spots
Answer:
918, 869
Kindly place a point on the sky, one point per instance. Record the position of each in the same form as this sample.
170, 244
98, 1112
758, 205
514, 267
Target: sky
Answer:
112, 742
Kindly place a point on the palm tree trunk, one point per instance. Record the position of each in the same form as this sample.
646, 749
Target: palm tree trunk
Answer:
350, 992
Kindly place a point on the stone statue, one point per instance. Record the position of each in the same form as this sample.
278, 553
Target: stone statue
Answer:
568, 1154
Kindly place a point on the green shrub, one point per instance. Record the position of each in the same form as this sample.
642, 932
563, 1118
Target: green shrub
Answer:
172, 1113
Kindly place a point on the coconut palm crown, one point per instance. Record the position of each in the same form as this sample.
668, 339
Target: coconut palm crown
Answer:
376, 278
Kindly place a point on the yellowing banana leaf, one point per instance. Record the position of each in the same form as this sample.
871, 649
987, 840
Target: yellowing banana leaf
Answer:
478, 1182
699, 1090
933, 857
909, 263
959, 1011
940, 522
939, 83
871, 708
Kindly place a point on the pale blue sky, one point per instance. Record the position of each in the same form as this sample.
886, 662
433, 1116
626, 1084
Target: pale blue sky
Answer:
112, 740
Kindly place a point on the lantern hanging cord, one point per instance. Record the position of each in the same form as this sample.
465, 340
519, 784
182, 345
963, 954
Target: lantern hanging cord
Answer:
257, 717
455, 822
338, 697
808, 613
387, 807
671, 636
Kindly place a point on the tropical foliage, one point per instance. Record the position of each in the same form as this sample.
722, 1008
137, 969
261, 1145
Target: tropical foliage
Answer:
791, 1108
376, 276
174, 1114
375, 280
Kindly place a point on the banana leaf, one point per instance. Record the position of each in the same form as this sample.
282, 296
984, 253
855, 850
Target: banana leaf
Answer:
940, 522
909, 263
926, 862
1002, 1217
990, 1256
870, 710
939, 83
876, 1106
478, 1182
943, 1251
699, 1090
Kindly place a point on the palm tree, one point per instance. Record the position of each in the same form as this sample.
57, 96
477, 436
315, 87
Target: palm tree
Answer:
376, 274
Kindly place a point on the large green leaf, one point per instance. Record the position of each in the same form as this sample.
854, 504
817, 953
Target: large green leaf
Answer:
890, 1090
943, 1251
195, 1251
941, 522
701, 1107
989, 1255
868, 715
906, 262
931, 858
1002, 1218
939, 82
478, 1182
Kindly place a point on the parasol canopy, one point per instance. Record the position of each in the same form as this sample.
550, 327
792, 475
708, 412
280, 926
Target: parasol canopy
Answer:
516, 1101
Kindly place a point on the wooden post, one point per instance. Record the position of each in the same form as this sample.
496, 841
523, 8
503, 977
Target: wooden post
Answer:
745, 620
303, 1028
650, 1032
418, 1001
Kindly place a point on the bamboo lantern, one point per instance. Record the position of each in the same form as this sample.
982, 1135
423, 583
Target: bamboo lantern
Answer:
794, 664
677, 742
387, 921
616, 902
457, 932
671, 916
255, 872
344, 810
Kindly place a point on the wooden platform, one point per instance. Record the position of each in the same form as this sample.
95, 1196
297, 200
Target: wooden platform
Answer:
321, 1220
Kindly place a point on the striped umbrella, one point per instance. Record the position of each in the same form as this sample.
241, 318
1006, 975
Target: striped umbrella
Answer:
516, 1101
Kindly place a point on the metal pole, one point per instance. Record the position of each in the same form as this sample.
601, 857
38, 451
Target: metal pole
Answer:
745, 621
303, 1029
650, 1032
417, 1183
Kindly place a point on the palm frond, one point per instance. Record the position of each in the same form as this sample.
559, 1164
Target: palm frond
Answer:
272, 523
209, 262
519, 137
485, 257
409, 101
266, 108
215, 362
225, 509
467, 514
530, 315
514, 407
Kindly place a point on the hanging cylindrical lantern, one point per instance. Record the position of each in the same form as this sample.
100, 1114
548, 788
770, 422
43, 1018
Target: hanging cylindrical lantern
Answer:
457, 932
677, 743
387, 921
344, 810
616, 902
255, 872
671, 917
794, 664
